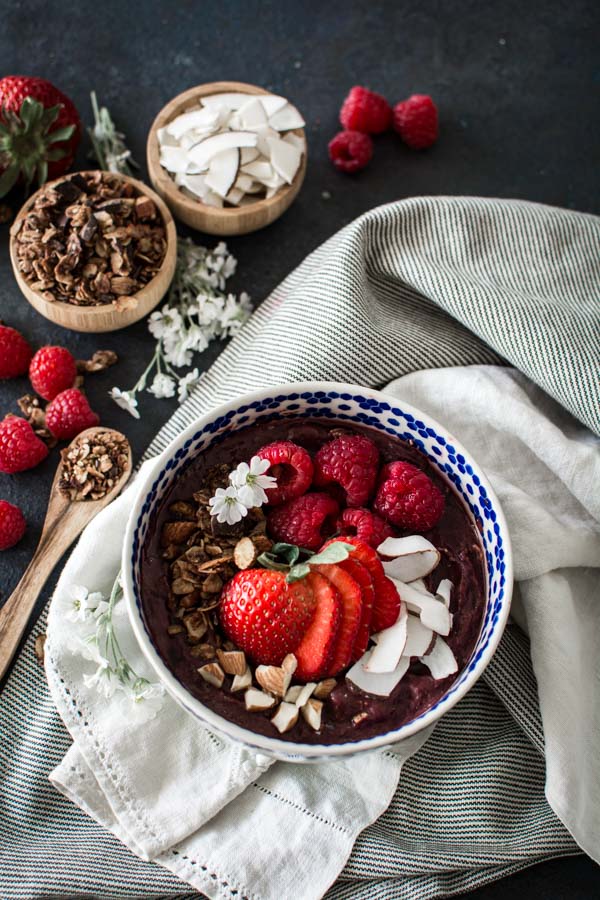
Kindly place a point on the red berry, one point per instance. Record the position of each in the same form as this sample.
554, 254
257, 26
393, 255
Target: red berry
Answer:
408, 498
15, 353
351, 609
304, 521
365, 111
386, 602
351, 461
365, 525
416, 121
69, 413
264, 615
292, 466
52, 370
12, 525
314, 653
350, 151
20, 447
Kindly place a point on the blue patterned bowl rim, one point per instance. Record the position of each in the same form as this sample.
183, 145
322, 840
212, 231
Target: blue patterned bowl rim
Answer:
352, 404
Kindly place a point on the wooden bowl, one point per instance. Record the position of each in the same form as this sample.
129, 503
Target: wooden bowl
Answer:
210, 219
106, 317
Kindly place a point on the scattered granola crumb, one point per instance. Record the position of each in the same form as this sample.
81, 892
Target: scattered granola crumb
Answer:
91, 467
101, 360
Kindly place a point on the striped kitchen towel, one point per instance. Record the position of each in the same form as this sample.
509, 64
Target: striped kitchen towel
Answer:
420, 284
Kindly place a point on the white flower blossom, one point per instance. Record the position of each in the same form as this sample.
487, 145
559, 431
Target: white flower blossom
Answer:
142, 701
87, 646
195, 339
162, 386
251, 481
187, 384
81, 604
178, 354
226, 506
103, 680
164, 323
126, 400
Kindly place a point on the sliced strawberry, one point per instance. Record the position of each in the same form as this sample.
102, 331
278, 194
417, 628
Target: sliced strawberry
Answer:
386, 603
351, 595
361, 574
316, 648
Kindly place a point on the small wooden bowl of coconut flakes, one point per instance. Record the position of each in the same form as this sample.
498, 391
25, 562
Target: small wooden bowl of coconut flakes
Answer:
227, 157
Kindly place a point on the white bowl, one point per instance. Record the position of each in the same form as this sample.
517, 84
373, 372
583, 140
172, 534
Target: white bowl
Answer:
346, 404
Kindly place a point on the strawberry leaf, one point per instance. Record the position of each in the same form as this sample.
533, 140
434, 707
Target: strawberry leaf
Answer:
336, 552
61, 134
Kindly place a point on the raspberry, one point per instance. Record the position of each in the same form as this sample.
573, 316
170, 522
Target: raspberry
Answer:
351, 460
52, 370
69, 413
350, 151
365, 111
292, 466
15, 353
416, 121
12, 525
408, 498
304, 521
365, 525
20, 447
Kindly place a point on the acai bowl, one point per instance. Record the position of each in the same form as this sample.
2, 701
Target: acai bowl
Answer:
361, 646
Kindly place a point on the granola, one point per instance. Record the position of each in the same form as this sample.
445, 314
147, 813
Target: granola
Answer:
91, 240
92, 466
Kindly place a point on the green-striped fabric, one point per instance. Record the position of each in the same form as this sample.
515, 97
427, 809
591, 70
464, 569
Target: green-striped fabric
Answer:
417, 284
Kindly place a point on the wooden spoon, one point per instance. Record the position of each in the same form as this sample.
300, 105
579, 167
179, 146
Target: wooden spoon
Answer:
65, 520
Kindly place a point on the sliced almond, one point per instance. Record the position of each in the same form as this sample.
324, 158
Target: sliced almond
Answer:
444, 591
223, 171
419, 638
285, 158
273, 679
440, 661
311, 713
381, 684
285, 717
241, 682
411, 557
257, 700
324, 688
390, 644
286, 119
244, 553
207, 149
434, 613
300, 693
213, 674
233, 662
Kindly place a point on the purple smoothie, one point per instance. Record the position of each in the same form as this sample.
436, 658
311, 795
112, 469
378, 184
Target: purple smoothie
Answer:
455, 536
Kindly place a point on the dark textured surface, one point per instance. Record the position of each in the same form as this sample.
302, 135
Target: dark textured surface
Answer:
517, 85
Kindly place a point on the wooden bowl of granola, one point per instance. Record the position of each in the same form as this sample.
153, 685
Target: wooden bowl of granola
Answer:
258, 209
94, 251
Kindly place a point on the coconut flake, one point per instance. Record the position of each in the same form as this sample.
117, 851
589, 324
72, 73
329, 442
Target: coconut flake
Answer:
202, 119
444, 591
285, 158
174, 159
252, 114
434, 614
230, 99
216, 143
296, 140
380, 684
412, 557
259, 170
222, 171
272, 103
441, 661
286, 119
419, 638
248, 155
389, 645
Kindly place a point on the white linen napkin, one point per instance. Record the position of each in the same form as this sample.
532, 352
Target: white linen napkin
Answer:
223, 818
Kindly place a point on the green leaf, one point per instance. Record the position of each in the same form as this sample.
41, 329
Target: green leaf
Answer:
298, 572
8, 179
55, 153
61, 134
336, 552
49, 116
269, 561
31, 113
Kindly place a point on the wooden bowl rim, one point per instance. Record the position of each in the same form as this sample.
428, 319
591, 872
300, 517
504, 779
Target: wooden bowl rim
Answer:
99, 310
166, 183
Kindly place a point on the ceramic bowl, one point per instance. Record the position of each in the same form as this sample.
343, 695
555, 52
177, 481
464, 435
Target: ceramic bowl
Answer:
227, 221
348, 405
96, 319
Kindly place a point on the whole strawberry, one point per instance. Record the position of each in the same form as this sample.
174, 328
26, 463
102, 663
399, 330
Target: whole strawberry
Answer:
264, 615
365, 111
40, 131
416, 121
12, 525
15, 353
69, 414
52, 370
20, 447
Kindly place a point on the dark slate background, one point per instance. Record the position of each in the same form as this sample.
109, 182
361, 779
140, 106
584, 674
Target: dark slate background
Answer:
517, 85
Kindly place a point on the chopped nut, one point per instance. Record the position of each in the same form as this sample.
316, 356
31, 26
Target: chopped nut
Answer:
183, 509
289, 664
213, 674
195, 625
300, 693
273, 679
38, 648
360, 717
204, 651
311, 713
241, 682
285, 717
182, 586
257, 700
324, 688
232, 661
175, 629
101, 360
177, 532
244, 554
